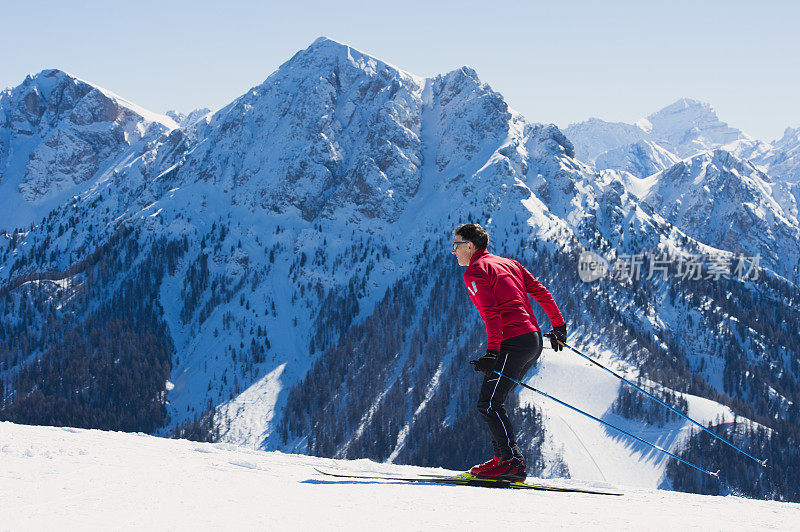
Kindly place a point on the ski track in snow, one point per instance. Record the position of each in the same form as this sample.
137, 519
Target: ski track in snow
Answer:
67, 479
595, 452
583, 445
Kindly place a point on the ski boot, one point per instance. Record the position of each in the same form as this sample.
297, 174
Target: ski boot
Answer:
478, 469
511, 470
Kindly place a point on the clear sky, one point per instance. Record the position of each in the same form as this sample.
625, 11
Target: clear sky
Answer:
559, 62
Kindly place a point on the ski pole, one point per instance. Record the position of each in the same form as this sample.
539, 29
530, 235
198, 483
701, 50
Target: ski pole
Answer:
656, 447
626, 381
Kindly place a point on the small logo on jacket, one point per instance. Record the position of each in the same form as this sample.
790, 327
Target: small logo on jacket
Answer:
474, 290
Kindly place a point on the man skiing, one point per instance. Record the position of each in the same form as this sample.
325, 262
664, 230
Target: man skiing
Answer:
499, 289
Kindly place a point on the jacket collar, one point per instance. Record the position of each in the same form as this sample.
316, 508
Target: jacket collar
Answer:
478, 254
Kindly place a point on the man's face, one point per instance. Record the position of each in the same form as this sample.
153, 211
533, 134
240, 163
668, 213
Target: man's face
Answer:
463, 250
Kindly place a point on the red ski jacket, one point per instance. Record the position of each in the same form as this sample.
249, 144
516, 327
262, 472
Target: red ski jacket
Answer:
499, 289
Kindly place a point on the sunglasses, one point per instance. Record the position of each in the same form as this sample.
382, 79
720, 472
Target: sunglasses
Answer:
456, 244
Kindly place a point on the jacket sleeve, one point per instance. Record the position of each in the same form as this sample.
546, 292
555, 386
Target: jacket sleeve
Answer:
543, 297
480, 292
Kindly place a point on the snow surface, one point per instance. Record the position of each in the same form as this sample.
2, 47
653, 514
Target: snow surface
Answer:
69, 478
593, 451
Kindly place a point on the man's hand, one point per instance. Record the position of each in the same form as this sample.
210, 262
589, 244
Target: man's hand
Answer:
486, 363
558, 336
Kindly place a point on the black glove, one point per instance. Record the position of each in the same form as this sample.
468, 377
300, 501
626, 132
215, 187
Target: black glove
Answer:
486, 363
556, 335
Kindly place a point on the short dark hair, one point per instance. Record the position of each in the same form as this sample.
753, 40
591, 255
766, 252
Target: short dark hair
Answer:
473, 233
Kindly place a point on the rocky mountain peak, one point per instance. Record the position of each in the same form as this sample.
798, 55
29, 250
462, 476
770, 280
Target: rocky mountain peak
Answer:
184, 120
58, 133
62, 96
681, 129
790, 142
51, 92
688, 126
595, 136
686, 106
325, 55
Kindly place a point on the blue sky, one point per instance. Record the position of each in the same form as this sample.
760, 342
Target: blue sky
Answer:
553, 61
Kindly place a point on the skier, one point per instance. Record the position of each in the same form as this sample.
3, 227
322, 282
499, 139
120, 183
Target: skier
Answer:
499, 289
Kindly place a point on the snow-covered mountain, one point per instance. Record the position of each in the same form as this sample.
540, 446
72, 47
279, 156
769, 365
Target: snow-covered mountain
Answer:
296, 140
57, 135
714, 182
677, 131
717, 198
785, 162
276, 275
689, 126
594, 136
641, 158
184, 120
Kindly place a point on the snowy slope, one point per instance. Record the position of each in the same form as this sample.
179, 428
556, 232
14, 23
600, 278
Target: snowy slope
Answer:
592, 451
91, 479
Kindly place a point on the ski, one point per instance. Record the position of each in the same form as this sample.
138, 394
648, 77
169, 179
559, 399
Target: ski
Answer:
472, 480
466, 479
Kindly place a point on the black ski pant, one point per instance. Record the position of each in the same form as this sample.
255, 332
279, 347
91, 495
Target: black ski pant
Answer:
517, 355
